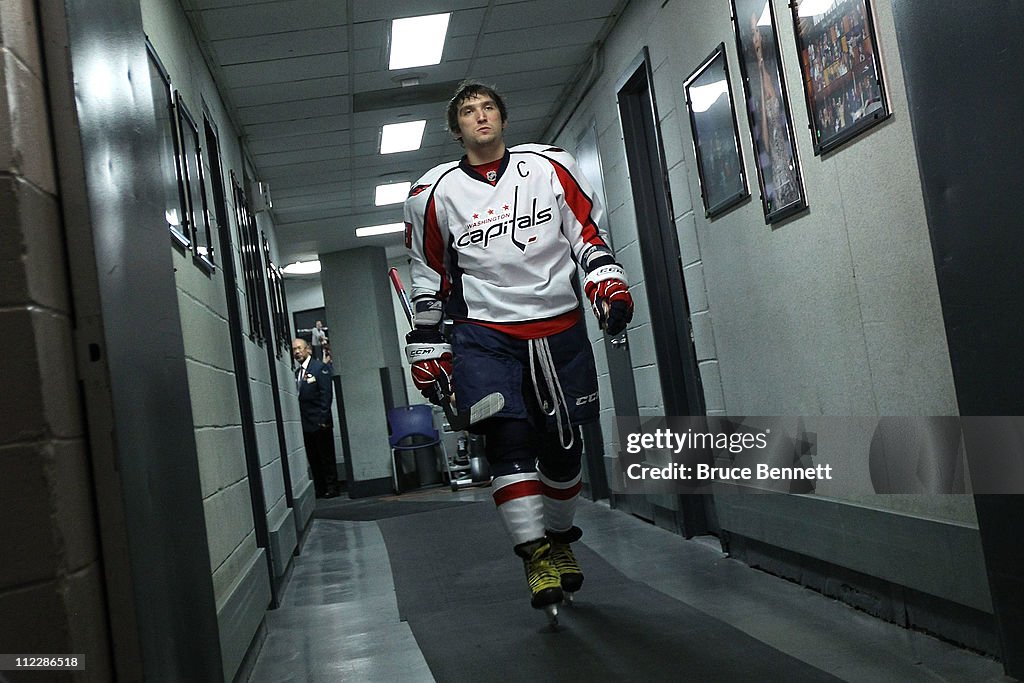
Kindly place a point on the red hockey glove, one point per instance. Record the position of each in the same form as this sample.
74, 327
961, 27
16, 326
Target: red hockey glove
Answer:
431, 360
608, 292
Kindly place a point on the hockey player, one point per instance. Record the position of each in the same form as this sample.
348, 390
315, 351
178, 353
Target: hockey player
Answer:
495, 240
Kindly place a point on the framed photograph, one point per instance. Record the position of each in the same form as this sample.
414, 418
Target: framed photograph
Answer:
771, 127
716, 136
197, 215
842, 74
172, 180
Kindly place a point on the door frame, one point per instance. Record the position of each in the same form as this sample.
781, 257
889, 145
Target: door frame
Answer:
675, 354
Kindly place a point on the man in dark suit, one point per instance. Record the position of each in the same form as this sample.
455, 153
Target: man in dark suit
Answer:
313, 382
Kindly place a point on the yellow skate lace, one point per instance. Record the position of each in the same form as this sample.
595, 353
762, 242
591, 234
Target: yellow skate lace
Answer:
564, 560
540, 571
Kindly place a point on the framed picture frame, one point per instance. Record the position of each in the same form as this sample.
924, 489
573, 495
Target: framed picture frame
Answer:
172, 181
841, 70
196, 212
716, 135
768, 112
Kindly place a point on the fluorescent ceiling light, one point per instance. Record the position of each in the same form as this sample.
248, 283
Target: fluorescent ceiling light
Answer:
302, 268
401, 137
704, 96
418, 41
372, 230
392, 193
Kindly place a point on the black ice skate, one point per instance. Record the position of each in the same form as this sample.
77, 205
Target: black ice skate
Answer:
545, 586
569, 572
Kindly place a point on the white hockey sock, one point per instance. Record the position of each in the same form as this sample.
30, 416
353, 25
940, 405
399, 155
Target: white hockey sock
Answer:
520, 505
560, 500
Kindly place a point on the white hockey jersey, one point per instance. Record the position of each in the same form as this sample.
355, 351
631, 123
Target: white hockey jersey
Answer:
503, 253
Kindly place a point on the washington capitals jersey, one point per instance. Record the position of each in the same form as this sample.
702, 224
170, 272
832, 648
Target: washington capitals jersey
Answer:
503, 253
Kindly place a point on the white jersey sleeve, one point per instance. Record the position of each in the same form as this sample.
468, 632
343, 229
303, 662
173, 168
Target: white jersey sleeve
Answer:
581, 210
426, 237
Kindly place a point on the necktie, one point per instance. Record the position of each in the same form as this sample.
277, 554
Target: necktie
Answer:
299, 376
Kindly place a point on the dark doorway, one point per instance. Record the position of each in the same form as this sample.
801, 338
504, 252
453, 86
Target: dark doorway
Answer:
663, 268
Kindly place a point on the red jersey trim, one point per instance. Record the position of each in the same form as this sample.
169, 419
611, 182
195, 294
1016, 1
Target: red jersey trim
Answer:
579, 203
433, 245
535, 329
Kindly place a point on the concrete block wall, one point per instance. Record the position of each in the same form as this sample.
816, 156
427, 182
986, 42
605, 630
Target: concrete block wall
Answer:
832, 312
203, 308
235, 560
51, 578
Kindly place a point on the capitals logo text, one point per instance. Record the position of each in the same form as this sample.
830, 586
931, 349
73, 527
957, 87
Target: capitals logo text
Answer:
493, 225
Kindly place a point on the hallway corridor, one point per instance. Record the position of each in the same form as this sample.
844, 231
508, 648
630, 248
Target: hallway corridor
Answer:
339, 619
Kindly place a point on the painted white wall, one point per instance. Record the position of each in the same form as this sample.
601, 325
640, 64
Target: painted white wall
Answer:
304, 292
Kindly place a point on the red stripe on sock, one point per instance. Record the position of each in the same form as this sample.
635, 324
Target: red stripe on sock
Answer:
562, 494
520, 489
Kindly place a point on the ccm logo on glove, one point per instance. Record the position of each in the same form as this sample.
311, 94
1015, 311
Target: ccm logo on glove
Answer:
431, 360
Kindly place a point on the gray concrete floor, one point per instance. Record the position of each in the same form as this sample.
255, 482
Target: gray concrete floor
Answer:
339, 620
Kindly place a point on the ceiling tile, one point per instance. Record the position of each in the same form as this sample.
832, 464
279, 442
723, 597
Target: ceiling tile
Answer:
298, 142
291, 111
281, 45
286, 70
314, 125
394, 9
289, 91
272, 17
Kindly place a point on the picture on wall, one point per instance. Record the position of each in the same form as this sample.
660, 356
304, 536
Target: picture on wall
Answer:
716, 139
841, 72
311, 325
778, 166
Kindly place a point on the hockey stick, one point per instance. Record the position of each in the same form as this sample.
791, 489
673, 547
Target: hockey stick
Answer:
486, 407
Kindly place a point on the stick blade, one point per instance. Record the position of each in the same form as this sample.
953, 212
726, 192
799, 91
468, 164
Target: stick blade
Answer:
486, 407
481, 410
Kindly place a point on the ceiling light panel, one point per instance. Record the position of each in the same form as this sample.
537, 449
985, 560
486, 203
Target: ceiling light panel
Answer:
418, 41
371, 230
401, 137
392, 193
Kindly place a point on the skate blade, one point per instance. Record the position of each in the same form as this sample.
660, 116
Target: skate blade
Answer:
567, 599
552, 612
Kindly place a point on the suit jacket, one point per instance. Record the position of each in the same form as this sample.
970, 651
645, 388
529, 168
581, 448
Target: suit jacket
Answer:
315, 395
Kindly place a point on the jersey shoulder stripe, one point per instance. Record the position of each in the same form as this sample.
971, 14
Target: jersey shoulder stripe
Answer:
579, 202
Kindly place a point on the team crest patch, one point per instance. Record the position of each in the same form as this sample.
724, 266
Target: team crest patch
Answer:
492, 175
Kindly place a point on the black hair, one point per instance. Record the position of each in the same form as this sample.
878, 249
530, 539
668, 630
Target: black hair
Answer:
469, 90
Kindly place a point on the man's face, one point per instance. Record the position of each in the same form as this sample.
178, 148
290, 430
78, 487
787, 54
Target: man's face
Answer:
480, 121
300, 351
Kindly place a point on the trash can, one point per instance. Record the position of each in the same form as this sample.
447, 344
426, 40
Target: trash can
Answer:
406, 478
425, 459
426, 466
